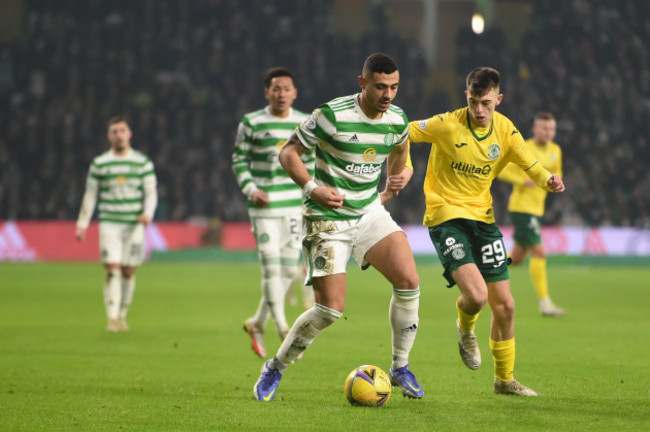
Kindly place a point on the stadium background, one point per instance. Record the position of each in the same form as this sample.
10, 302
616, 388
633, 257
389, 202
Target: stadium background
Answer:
184, 72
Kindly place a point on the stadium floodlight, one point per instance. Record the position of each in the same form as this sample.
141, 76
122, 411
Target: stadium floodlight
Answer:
478, 23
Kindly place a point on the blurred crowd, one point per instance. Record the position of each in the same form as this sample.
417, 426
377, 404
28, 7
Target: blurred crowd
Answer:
588, 63
184, 73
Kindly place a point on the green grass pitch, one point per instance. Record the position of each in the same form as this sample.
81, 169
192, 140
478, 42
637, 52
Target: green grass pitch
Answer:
186, 364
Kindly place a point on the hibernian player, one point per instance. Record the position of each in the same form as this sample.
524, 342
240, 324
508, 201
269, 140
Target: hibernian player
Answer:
526, 207
124, 182
274, 200
343, 216
469, 147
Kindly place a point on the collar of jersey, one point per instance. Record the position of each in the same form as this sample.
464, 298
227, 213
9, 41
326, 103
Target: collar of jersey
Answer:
478, 138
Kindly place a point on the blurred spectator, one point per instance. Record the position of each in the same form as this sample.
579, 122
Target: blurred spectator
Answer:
184, 72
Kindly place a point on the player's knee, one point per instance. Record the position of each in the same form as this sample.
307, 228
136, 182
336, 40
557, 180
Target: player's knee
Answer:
505, 310
289, 272
477, 297
127, 272
408, 281
516, 260
270, 271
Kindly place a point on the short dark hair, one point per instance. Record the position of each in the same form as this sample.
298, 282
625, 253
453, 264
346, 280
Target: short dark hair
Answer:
542, 115
380, 63
482, 79
116, 119
277, 72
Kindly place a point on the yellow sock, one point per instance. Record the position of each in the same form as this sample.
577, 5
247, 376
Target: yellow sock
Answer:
503, 353
537, 268
465, 321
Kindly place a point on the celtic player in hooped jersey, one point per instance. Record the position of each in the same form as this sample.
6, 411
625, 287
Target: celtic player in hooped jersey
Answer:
274, 200
344, 217
124, 181
469, 147
526, 207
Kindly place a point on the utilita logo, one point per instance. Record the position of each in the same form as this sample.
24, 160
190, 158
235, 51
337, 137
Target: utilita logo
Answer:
471, 169
362, 169
13, 246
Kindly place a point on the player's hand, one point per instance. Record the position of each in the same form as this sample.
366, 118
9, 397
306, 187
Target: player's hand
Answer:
399, 181
556, 184
327, 197
80, 234
260, 198
144, 219
529, 183
386, 196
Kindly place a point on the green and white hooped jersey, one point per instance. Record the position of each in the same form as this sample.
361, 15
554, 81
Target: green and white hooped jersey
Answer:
350, 152
260, 137
120, 181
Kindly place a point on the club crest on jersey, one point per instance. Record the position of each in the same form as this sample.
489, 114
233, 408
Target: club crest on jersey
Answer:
280, 144
389, 139
369, 154
311, 123
494, 151
422, 124
121, 180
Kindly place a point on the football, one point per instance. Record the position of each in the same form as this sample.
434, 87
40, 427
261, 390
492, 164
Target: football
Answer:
368, 385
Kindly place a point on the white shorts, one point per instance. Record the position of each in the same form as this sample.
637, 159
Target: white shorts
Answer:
121, 244
278, 238
328, 244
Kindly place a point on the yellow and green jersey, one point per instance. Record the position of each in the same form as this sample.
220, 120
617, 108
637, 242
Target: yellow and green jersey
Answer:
527, 199
464, 160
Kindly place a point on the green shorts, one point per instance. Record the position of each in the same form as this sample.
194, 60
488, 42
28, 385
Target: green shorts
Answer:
464, 241
527, 229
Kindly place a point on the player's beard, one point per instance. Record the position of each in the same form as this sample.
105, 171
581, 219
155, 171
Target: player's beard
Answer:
120, 146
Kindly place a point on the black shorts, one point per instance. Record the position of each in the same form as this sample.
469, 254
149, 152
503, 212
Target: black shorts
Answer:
463, 241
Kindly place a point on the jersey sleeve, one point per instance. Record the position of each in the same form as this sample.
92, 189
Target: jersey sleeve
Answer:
319, 127
409, 162
90, 197
512, 174
521, 156
559, 172
241, 158
434, 129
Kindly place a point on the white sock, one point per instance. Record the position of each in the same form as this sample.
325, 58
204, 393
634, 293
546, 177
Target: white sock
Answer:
304, 331
128, 287
403, 316
274, 295
288, 276
112, 293
262, 314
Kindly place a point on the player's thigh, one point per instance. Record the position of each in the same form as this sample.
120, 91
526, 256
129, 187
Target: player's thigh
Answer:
133, 249
373, 227
527, 229
490, 252
327, 246
268, 234
453, 242
393, 257
292, 238
111, 243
